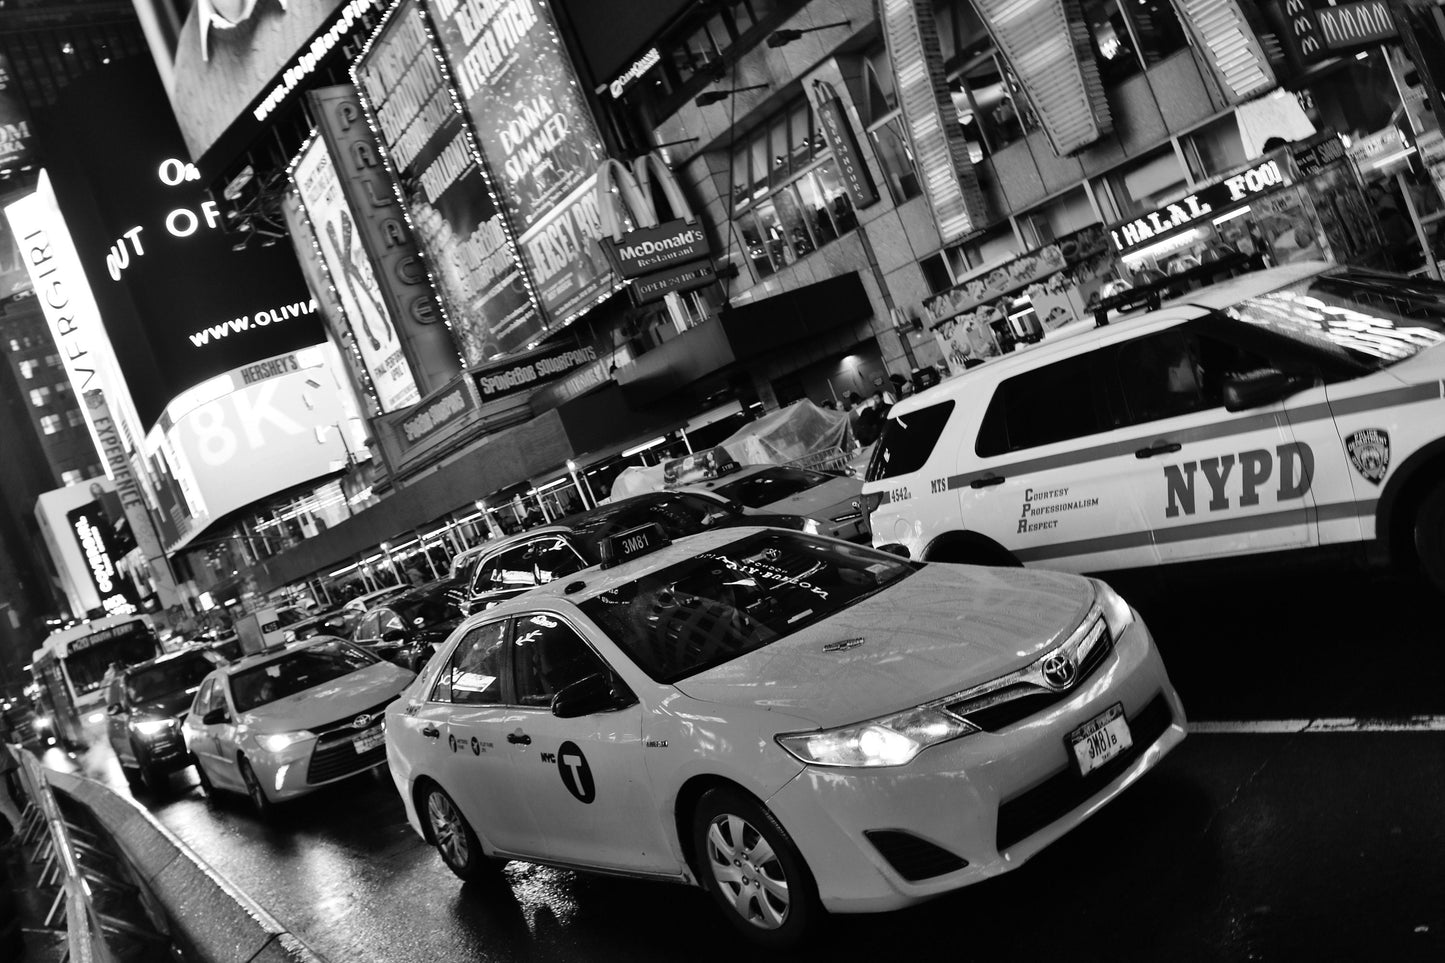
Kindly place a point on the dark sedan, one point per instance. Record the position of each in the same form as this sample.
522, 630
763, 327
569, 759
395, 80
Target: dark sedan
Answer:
407, 629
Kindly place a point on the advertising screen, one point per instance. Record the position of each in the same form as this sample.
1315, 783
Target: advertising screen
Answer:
538, 138
181, 298
97, 540
372, 328
261, 429
15, 134
473, 260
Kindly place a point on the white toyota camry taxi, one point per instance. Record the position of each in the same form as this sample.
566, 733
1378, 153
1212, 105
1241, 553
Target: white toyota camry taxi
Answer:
793, 722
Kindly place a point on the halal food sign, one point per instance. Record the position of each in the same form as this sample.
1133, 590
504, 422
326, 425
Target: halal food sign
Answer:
1230, 192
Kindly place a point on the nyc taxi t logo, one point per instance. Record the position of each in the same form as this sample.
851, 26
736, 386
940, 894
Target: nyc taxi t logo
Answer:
1293, 462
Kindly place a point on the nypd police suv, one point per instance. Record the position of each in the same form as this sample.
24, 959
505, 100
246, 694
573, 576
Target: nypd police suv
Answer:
789, 721
1299, 408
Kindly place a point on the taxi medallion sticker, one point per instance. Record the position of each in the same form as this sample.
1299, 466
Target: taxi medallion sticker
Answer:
576, 774
1369, 450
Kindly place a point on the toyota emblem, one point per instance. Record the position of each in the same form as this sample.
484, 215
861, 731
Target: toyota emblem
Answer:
1059, 671
363, 720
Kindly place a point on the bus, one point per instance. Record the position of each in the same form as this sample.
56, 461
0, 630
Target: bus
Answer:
70, 665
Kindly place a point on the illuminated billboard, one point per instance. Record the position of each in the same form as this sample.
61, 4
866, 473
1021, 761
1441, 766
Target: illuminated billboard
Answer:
181, 299
92, 529
243, 436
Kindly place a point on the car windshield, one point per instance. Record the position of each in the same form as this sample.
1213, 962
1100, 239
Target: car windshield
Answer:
296, 672
771, 485
722, 604
168, 678
1369, 319
678, 513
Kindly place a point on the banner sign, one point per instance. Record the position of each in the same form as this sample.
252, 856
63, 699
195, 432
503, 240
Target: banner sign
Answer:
650, 249
450, 407
537, 137
469, 246
1350, 25
1312, 158
386, 237
15, 133
839, 135
97, 547
1199, 206
632, 74
656, 286
373, 330
523, 373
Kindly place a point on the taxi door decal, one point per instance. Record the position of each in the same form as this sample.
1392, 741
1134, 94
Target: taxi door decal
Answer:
576, 774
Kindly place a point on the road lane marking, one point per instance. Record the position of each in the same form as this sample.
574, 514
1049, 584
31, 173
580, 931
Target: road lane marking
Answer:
1290, 726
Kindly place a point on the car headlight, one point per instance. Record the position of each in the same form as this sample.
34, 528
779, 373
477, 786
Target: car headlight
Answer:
890, 741
1118, 616
95, 718
811, 527
151, 727
277, 741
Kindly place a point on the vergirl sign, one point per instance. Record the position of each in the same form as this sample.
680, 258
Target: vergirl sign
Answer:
1197, 207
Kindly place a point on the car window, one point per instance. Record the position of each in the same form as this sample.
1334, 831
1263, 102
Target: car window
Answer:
167, 679
296, 671
771, 485
1179, 371
511, 569
366, 628
677, 621
387, 620
553, 557
908, 441
210, 697
473, 676
1052, 403
548, 655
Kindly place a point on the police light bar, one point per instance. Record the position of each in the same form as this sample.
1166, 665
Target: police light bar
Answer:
629, 544
1151, 296
700, 466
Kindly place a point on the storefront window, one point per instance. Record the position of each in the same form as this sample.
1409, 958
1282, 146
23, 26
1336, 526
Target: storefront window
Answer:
1215, 148
1158, 28
885, 129
840, 205
989, 106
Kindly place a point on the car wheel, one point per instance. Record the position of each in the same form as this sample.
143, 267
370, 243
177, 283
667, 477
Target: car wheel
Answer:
752, 869
265, 808
147, 777
1430, 537
453, 836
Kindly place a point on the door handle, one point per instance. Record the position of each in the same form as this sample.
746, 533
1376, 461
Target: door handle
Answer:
987, 481
431, 732
519, 738
1167, 448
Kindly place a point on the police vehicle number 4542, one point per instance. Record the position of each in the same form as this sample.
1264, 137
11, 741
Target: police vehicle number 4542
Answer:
1294, 409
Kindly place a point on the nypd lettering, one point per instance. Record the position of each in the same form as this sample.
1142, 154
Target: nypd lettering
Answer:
1293, 464
1369, 450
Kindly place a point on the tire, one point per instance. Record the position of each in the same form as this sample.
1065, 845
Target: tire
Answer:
204, 780
974, 554
453, 837
1429, 534
264, 807
149, 779
755, 874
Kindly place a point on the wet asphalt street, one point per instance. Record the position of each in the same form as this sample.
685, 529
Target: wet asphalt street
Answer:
1253, 841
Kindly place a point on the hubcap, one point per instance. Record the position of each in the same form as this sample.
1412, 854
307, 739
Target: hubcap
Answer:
447, 828
748, 872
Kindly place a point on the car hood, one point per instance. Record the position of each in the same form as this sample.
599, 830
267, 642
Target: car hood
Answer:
338, 699
818, 500
942, 629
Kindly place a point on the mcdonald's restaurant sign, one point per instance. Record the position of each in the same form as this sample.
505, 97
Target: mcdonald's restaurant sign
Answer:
650, 249
1313, 31
659, 257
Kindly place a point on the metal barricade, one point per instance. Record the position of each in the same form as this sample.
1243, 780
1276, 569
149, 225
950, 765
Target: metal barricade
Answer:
830, 460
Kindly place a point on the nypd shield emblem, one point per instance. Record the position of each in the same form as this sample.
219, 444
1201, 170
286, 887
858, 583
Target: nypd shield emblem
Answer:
1369, 451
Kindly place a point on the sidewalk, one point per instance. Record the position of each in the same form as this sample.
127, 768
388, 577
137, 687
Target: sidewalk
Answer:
20, 893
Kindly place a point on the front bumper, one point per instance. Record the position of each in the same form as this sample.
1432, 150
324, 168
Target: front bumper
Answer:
306, 766
993, 799
165, 751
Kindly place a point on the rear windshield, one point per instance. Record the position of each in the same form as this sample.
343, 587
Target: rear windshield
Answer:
683, 619
167, 678
907, 441
771, 485
1374, 320
296, 672
679, 514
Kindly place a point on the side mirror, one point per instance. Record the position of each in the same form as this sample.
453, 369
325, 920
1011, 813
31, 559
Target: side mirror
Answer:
114, 709
394, 635
893, 548
1253, 389
215, 717
594, 693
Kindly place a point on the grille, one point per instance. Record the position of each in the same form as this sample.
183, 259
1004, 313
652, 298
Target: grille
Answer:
913, 858
345, 724
1013, 703
1033, 809
336, 756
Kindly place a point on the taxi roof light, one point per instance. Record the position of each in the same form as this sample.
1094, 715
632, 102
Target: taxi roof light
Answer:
700, 466
631, 543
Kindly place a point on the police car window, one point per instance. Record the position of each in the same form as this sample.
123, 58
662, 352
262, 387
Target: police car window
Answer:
1365, 318
473, 676
680, 620
1058, 402
548, 655
908, 441
771, 485
1179, 371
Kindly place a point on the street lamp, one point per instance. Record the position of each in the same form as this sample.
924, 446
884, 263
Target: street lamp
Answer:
713, 96
781, 38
